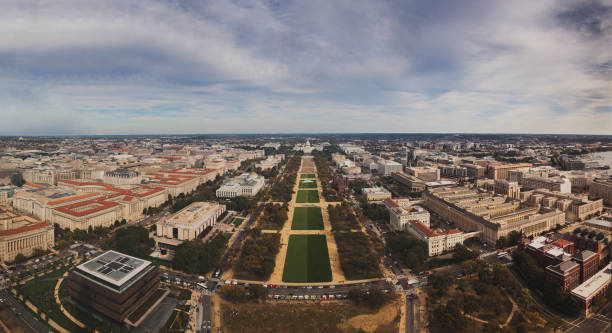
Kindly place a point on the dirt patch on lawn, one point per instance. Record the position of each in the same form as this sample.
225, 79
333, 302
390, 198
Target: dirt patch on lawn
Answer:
385, 317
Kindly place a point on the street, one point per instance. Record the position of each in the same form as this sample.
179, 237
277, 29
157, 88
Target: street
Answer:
27, 322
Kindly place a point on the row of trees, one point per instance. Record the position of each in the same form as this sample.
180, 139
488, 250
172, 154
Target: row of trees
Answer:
376, 212
204, 192
514, 237
133, 240
358, 186
274, 216
283, 189
241, 203
257, 257
195, 257
407, 249
357, 257
325, 177
373, 298
342, 218
238, 294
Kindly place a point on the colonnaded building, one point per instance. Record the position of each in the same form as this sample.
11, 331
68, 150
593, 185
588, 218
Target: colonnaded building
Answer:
187, 224
247, 184
494, 216
22, 234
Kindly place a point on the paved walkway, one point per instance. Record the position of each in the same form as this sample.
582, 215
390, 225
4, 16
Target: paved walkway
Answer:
59, 302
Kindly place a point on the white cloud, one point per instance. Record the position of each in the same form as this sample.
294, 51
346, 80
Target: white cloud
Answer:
69, 67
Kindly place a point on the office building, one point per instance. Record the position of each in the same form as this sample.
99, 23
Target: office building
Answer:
386, 167
427, 174
22, 234
555, 184
492, 216
500, 171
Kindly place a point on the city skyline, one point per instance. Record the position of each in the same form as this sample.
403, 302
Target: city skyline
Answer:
305, 67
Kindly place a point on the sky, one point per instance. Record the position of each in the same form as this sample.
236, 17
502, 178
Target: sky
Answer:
315, 66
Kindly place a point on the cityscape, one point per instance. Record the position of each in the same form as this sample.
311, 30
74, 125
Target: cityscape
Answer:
230, 166
384, 233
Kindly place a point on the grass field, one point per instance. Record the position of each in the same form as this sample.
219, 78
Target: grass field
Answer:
307, 196
307, 259
307, 218
237, 221
307, 175
308, 184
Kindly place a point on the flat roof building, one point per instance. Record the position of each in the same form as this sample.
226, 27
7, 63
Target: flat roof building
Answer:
113, 284
376, 193
596, 285
190, 222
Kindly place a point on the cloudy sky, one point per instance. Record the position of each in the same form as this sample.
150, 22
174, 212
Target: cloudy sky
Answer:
160, 67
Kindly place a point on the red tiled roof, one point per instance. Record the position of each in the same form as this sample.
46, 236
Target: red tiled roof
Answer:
174, 180
33, 185
562, 243
391, 202
26, 228
424, 229
72, 198
69, 208
128, 198
452, 231
152, 190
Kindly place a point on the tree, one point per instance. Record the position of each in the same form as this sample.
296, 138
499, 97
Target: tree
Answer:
17, 179
233, 294
195, 257
257, 292
462, 253
373, 297
133, 240
62, 244
19, 258
524, 300
440, 282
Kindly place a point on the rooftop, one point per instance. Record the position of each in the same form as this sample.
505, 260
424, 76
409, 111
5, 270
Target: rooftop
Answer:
594, 283
193, 213
114, 267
